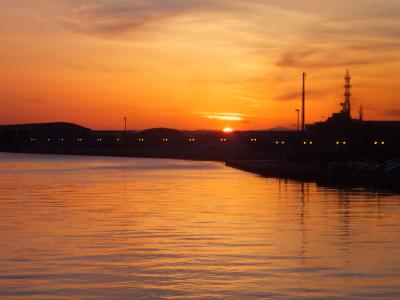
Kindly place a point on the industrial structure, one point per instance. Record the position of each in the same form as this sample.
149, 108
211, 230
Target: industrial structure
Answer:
341, 125
346, 105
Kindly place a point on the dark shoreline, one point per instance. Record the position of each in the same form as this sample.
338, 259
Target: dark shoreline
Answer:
309, 173
182, 155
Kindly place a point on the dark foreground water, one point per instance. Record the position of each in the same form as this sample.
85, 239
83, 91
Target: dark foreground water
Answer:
123, 228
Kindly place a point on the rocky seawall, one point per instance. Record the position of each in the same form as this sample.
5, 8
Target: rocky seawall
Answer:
311, 172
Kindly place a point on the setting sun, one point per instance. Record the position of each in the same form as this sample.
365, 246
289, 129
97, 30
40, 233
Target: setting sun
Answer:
227, 130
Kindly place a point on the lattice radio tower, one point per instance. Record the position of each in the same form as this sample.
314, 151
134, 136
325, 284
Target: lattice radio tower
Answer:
346, 105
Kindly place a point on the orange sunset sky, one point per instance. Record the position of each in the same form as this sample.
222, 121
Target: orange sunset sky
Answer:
195, 64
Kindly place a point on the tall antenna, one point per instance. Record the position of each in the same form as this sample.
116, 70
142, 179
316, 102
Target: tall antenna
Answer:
303, 98
346, 106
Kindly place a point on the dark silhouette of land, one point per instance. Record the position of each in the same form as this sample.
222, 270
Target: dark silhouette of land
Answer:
341, 149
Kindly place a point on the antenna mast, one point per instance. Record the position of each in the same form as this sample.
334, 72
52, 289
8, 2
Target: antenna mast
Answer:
347, 94
303, 98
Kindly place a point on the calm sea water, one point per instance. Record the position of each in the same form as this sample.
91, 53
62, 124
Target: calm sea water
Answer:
124, 228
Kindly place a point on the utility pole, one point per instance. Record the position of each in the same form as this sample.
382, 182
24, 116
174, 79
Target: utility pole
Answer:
298, 119
303, 126
125, 124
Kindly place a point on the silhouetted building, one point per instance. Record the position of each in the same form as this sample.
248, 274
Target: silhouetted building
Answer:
42, 134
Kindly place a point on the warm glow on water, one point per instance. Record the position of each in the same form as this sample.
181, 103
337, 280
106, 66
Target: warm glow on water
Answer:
123, 228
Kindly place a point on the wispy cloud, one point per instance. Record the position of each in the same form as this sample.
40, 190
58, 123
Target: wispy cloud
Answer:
235, 117
311, 94
225, 118
305, 33
323, 58
393, 113
119, 16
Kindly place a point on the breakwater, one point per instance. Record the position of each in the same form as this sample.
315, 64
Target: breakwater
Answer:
310, 172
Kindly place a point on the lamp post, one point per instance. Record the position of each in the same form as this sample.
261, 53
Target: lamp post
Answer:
298, 118
303, 111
